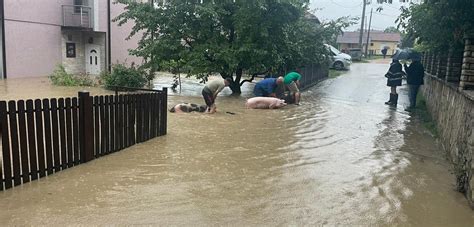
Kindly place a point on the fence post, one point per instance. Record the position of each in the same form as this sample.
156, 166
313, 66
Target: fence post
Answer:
454, 66
86, 127
467, 74
7, 170
164, 108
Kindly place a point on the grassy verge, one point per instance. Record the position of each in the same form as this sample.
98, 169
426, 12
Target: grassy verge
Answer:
421, 112
374, 57
367, 60
335, 73
362, 61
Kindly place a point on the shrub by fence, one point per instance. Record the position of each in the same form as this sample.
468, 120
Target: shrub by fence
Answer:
42, 137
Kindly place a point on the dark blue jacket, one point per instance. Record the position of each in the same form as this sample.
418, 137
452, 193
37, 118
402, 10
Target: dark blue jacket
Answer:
268, 85
415, 73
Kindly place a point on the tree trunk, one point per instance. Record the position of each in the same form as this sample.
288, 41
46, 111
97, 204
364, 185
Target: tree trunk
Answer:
235, 85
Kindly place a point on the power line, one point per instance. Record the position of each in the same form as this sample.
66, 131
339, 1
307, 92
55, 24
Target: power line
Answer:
387, 15
347, 7
393, 7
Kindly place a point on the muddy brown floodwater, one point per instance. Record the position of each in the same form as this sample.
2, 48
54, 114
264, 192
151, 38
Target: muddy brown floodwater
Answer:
341, 158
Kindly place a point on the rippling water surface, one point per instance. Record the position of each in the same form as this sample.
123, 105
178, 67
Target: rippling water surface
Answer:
341, 158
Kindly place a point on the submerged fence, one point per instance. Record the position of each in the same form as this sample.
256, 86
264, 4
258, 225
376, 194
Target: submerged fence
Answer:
41, 137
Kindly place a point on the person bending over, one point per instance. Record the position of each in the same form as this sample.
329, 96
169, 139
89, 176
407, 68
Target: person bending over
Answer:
267, 87
292, 82
211, 90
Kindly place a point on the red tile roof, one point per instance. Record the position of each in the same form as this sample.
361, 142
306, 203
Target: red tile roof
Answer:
353, 37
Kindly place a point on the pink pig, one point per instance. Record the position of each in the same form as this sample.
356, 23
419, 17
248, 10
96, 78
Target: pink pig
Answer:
265, 103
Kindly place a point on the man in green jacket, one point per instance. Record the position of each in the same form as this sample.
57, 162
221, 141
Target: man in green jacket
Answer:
292, 82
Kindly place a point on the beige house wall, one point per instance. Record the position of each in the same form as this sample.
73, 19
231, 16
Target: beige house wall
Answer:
377, 47
344, 46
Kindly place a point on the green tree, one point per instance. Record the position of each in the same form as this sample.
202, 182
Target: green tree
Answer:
391, 30
225, 37
438, 25
336, 27
407, 41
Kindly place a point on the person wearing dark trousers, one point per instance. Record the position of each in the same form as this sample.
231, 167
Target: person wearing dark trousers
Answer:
394, 79
415, 73
384, 52
211, 90
292, 82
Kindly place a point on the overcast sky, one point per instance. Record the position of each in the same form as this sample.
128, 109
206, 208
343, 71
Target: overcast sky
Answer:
333, 9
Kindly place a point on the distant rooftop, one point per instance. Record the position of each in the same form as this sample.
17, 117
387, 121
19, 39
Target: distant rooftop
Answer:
311, 17
353, 37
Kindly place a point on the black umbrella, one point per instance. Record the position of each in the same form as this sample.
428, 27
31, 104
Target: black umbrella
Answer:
401, 55
406, 54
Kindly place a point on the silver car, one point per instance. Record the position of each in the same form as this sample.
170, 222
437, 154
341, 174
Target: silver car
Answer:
338, 60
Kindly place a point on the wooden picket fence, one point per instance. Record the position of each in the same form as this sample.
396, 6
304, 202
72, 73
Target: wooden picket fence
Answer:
42, 137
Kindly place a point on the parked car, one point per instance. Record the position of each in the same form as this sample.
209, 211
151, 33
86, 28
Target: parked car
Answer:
338, 60
356, 54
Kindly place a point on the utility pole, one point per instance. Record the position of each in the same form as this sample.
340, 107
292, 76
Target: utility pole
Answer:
365, 25
362, 23
368, 33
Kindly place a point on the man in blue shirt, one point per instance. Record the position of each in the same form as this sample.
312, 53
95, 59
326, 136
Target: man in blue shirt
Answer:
267, 87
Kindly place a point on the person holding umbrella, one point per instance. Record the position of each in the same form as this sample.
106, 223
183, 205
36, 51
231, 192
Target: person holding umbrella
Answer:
394, 79
415, 73
384, 51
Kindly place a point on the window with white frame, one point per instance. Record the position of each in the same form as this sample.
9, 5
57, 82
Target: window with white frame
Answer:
78, 4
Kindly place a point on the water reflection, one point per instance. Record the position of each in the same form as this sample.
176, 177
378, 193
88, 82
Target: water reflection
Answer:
33, 88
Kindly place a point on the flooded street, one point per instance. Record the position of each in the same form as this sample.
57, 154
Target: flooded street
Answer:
340, 158
40, 88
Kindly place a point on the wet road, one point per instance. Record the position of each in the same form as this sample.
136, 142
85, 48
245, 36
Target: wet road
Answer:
341, 158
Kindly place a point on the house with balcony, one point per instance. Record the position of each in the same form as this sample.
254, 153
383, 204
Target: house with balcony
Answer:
36, 36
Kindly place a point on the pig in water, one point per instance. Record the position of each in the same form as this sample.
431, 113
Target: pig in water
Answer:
188, 108
265, 103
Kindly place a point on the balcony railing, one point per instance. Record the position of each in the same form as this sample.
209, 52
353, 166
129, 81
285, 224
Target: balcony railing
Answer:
77, 16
